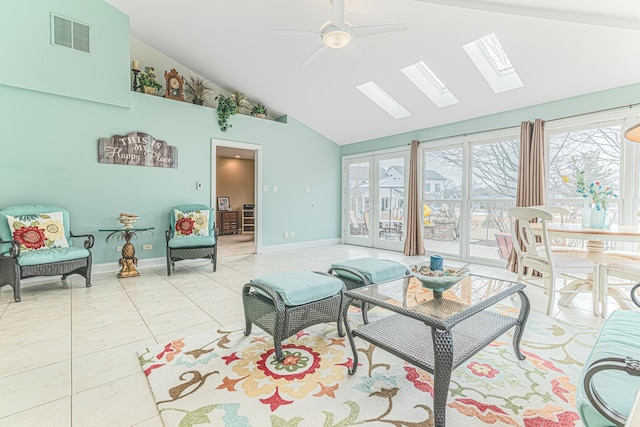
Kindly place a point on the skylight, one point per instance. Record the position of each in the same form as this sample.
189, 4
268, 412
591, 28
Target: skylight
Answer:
425, 79
495, 54
383, 100
492, 61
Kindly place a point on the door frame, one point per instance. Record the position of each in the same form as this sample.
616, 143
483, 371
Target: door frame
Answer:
374, 194
257, 184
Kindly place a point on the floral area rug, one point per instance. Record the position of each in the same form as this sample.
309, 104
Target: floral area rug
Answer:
223, 378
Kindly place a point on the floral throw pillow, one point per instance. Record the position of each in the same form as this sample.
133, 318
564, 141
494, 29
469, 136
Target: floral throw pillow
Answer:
38, 231
191, 223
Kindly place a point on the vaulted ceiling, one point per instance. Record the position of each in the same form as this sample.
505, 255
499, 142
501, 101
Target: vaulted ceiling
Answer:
559, 49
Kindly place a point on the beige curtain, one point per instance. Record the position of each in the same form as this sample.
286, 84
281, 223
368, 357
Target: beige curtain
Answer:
531, 188
413, 242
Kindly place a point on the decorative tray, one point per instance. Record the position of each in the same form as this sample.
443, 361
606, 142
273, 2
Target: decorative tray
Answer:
438, 280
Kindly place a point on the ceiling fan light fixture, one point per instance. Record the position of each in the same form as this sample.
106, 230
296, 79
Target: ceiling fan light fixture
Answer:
633, 133
336, 39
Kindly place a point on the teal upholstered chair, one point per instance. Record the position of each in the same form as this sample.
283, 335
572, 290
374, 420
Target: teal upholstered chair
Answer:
611, 374
36, 240
191, 234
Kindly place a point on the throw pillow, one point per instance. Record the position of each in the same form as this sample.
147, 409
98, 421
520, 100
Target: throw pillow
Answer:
191, 223
38, 231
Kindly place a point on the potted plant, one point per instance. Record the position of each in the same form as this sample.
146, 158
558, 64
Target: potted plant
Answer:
226, 108
147, 81
198, 88
241, 100
259, 111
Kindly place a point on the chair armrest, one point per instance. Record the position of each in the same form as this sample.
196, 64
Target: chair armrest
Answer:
88, 244
628, 365
633, 295
358, 274
167, 234
15, 247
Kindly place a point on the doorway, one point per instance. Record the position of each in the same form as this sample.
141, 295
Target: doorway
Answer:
374, 200
235, 176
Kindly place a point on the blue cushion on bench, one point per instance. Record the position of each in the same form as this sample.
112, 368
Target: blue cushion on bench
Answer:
619, 337
375, 270
300, 287
47, 256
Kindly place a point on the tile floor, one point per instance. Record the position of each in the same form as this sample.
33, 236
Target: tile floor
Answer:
68, 353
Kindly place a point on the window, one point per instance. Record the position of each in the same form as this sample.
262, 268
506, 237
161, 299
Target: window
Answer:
427, 188
494, 175
594, 149
437, 189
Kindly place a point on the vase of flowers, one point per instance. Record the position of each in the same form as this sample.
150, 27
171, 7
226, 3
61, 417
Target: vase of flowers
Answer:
596, 196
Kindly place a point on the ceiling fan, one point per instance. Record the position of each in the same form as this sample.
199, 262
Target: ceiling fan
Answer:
338, 33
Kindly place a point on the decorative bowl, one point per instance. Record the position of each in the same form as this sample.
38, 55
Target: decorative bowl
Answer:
127, 220
449, 277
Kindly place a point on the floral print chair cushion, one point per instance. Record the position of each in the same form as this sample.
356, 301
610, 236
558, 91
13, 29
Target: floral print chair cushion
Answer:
38, 231
191, 223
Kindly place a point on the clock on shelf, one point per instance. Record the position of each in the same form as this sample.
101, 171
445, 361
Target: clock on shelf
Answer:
174, 85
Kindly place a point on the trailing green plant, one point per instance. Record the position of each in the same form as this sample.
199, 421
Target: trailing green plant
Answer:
148, 78
259, 109
198, 88
226, 108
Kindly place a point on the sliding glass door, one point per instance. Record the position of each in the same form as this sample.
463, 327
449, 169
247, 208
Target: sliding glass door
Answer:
374, 200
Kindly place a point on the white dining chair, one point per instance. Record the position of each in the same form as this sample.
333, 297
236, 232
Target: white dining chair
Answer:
628, 270
560, 245
537, 255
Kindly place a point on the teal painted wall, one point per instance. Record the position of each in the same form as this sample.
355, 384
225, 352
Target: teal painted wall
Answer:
29, 60
592, 102
49, 152
55, 104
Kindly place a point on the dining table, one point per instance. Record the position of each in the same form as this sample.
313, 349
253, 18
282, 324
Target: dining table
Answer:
595, 245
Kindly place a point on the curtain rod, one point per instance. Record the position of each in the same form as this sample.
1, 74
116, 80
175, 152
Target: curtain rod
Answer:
546, 121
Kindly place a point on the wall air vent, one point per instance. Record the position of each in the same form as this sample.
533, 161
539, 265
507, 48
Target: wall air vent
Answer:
68, 33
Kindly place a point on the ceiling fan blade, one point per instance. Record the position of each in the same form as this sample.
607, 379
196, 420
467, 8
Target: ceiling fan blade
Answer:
352, 50
337, 13
372, 30
313, 56
294, 33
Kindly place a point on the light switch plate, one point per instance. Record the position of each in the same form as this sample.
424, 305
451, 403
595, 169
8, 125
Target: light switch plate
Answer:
265, 188
275, 188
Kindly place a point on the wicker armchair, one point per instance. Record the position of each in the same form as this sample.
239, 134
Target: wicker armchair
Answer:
182, 241
42, 249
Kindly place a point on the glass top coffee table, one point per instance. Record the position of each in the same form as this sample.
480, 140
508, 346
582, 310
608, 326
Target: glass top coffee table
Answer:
436, 331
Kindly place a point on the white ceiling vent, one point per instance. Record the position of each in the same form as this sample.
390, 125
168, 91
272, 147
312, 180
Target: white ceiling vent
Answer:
68, 33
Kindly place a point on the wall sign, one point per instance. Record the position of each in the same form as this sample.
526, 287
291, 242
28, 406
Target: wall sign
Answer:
137, 149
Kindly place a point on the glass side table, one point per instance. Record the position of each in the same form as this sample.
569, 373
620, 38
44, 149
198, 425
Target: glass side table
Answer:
128, 261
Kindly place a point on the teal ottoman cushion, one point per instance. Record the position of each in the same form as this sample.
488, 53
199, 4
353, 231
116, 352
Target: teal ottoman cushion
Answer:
300, 287
619, 337
375, 270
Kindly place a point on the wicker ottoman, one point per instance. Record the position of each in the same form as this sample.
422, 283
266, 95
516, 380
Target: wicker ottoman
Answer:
356, 273
285, 303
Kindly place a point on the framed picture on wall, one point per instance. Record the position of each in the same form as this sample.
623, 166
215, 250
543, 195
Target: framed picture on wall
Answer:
223, 204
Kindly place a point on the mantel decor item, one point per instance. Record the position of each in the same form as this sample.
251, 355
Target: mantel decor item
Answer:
197, 88
174, 85
147, 81
241, 101
226, 108
259, 111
